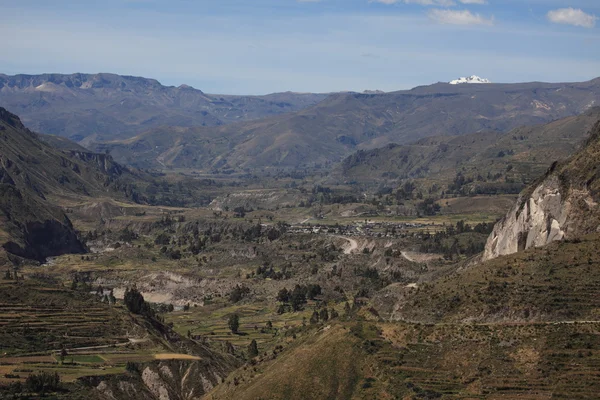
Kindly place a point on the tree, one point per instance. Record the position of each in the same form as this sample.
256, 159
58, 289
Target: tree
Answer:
333, 314
8, 275
63, 355
234, 323
252, 349
132, 367
324, 315
238, 293
42, 382
283, 295
347, 309
313, 291
314, 318
134, 301
298, 298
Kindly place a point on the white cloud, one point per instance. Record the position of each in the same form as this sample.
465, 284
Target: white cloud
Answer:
572, 16
443, 3
457, 17
439, 3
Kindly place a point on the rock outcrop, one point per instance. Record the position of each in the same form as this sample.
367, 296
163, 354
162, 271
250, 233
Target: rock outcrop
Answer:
164, 380
35, 176
562, 205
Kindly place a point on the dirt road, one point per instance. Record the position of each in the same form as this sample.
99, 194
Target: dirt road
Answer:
406, 256
353, 244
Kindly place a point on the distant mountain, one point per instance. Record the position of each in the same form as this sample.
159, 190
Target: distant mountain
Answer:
108, 106
561, 205
346, 122
34, 176
470, 79
488, 158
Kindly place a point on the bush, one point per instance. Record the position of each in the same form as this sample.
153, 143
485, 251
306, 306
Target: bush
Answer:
238, 293
135, 302
132, 368
252, 349
42, 382
234, 323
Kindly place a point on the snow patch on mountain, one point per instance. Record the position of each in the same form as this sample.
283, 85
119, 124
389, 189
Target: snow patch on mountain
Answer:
470, 79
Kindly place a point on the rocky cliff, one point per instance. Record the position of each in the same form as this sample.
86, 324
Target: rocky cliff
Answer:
35, 176
561, 205
164, 380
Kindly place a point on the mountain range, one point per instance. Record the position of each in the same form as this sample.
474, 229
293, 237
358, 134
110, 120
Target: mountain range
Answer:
470, 79
145, 124
343, 123
108, 106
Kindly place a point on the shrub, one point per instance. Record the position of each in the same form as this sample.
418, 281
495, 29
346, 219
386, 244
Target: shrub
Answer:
234, 323
252, 349
42, 382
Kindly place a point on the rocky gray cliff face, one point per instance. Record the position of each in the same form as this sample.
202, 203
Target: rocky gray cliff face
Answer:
535, 221
563, 205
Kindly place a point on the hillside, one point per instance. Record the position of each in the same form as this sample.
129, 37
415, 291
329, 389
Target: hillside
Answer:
519, 279
562, 205
34, 176
343, 123
521, 155
98, 339
105, 106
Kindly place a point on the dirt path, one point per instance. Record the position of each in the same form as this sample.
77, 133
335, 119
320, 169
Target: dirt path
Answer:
407, 256
175, 356
104, 346
353, 244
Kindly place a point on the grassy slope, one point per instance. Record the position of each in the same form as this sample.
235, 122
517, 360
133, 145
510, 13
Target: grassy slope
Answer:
529, 151
560, 282
327, 364
366, 360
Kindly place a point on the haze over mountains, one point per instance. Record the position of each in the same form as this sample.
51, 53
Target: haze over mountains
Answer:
145, 124
346, 122
108, 106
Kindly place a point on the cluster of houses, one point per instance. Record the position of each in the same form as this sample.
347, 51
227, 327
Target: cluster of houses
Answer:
368, 228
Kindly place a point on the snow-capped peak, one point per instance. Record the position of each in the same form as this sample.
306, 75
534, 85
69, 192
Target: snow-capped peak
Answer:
471, 79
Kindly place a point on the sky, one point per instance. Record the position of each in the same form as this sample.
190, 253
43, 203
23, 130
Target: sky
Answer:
265, 46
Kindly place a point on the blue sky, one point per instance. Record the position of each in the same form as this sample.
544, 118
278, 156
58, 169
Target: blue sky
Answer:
263, 46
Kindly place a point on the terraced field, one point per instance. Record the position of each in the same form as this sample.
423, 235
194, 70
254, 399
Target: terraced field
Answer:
211, 322
531, 361
36, 319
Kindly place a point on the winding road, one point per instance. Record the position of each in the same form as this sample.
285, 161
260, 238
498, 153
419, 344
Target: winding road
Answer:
353, 244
